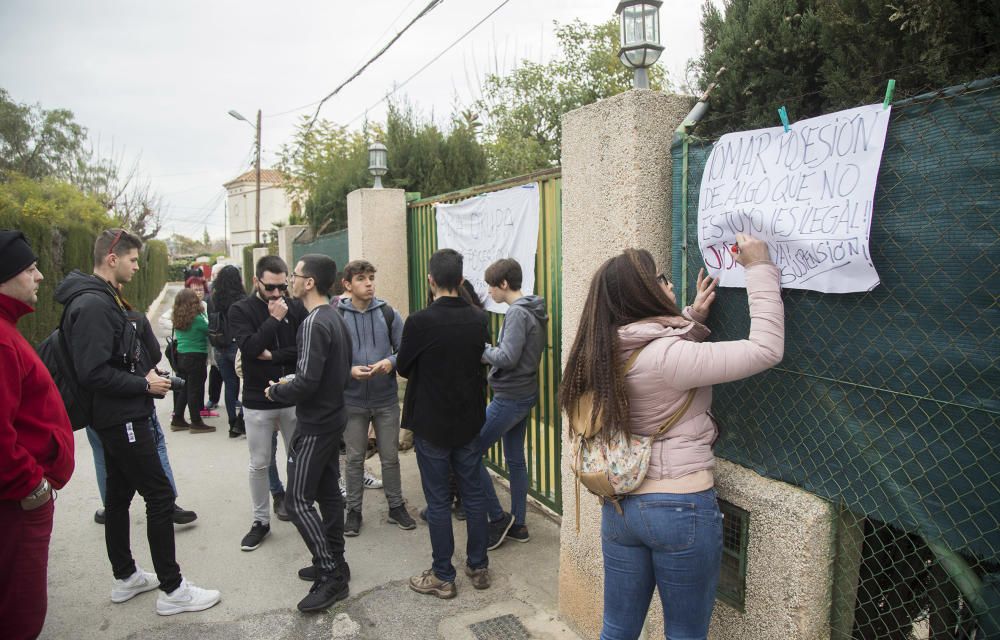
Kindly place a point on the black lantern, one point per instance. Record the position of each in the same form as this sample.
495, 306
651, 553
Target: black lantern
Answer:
378, 162
640, 37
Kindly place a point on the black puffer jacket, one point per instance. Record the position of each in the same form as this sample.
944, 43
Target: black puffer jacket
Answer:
106, 349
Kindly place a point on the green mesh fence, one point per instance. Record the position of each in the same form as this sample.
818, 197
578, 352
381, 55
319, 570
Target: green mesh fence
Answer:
886, 402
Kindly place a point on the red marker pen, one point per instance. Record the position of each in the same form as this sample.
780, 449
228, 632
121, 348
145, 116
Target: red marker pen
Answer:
735, 248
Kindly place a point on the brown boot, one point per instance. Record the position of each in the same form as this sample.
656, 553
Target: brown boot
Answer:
179, 424
201, 427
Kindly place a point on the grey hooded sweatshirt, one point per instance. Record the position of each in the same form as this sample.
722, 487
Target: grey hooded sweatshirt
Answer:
372, 341
514, 361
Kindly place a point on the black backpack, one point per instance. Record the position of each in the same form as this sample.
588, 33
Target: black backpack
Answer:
218, 330
54, 352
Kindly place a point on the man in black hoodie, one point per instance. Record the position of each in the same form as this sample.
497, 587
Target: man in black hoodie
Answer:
107, 354
317, 391
264, 325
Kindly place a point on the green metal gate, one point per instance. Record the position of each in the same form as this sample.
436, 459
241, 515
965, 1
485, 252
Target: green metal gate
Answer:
543, 440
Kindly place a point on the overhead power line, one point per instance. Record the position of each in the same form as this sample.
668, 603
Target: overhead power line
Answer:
429, 63
427, 9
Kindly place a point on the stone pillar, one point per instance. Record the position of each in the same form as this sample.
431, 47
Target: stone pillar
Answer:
376, 223
616, 193
286, 237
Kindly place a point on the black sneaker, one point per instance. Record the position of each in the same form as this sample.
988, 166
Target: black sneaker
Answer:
518, 532
400, 516
352, 523
279, 508
183, 516
99, 516
327, 590
498, 531
458, 510
252, 540
312, 572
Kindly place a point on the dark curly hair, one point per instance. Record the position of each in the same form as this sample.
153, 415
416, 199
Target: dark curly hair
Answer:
227, 288
187, 306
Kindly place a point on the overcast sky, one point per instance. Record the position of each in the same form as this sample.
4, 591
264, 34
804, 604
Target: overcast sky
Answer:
157, 78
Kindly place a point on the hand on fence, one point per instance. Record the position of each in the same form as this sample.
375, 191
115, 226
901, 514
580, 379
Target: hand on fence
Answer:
706, 293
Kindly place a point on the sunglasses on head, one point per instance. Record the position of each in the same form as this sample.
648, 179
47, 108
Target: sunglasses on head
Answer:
272, 287
662, 279
114, 242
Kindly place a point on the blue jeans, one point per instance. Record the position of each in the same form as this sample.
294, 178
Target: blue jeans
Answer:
100, 467
435, 464
226, 359
664, 540
507, 418
272, 471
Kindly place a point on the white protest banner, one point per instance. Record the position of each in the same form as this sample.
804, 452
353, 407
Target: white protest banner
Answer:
499, 224
807, 192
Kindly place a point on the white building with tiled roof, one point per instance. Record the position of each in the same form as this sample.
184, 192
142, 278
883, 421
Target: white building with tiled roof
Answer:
276, 205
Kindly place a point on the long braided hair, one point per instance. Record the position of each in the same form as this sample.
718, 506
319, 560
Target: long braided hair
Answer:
624, 290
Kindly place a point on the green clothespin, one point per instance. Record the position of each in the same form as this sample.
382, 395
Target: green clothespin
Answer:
783, 114
888, 94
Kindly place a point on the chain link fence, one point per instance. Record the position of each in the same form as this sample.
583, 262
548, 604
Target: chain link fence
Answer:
886, 402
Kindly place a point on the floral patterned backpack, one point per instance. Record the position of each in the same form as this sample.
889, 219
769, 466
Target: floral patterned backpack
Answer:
617, 467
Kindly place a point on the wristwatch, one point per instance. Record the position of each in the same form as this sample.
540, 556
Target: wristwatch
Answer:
38, 497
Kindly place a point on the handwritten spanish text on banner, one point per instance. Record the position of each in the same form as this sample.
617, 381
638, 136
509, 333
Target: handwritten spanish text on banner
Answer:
500, 224
807, 192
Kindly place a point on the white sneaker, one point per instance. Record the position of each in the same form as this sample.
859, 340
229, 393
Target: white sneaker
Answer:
343, 489
186, 597
130, 587
371, 482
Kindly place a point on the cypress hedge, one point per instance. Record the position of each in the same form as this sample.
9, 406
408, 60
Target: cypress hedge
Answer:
62, 245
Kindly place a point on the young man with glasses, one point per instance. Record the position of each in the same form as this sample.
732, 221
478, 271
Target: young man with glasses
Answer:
317, 391
265, 325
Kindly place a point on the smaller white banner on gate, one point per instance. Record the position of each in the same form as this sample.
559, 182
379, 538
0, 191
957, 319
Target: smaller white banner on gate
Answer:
486, 228
809, 192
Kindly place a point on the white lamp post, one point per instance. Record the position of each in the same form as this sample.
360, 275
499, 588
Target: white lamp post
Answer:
378, 162
640, 37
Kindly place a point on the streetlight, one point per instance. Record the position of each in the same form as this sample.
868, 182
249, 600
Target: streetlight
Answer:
640, 37
378, 162
237, 115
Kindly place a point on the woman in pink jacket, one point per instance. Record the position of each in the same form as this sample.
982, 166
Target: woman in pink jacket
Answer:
669, 531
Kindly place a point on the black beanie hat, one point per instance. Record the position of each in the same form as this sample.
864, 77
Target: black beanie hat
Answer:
15, 254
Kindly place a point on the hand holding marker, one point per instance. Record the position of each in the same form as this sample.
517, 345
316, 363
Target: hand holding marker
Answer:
750, 250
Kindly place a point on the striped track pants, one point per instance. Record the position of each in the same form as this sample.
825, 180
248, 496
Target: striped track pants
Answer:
313, 474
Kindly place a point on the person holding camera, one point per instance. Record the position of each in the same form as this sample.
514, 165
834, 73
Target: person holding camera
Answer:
106, 351
150, 355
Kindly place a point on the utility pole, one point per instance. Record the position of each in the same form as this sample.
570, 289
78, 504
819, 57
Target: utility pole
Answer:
257, 236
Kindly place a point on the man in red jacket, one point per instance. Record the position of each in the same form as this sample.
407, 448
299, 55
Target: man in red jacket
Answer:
36, 448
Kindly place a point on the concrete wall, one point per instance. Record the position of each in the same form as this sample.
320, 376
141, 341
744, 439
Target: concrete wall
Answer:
616, 181
376, 223
616, 193
789, 560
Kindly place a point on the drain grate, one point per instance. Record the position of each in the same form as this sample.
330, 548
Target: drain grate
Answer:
506, 627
